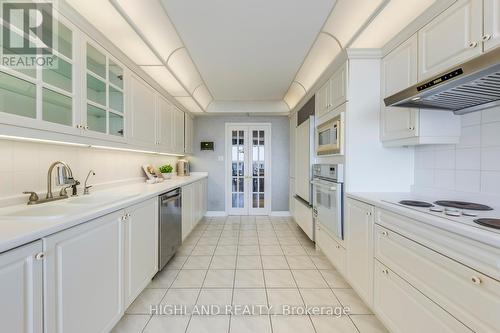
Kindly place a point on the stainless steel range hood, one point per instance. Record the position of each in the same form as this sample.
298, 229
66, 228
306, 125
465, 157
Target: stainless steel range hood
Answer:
471, 86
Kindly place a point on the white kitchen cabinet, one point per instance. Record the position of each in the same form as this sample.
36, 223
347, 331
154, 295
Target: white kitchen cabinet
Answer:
322, 102
410, 126
189, 133
399, 71
338, 88
491, 35
141, 247
402, 308
359, 223
178, 117
333, 93
142, 113
83, 277
194, 205
165, 123
451, 38
304, 217
302, 160
439, 278
187, 209
21, 305
332, 249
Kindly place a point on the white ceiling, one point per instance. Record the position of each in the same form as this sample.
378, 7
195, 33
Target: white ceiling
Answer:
248, 50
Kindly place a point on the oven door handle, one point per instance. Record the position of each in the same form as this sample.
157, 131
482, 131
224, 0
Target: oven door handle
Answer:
329, 187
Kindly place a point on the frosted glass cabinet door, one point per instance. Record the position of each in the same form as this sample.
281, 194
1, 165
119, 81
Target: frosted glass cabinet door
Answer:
17, 96
21, 302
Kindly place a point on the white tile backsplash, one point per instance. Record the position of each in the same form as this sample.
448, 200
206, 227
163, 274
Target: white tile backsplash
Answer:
24, 165
473, 165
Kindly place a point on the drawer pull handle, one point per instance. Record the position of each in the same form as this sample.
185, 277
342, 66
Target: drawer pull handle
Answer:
384, 233
472, 45
385, 272
40, 256
476, 280
337, 246
486, 38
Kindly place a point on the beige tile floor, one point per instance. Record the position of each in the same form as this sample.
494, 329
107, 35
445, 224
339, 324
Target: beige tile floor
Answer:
242, 260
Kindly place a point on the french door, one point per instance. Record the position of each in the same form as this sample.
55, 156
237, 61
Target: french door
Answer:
248, 151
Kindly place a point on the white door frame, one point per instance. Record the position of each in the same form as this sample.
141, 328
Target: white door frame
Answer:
267, 178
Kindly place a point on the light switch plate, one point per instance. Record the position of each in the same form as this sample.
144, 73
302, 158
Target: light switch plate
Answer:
220, 158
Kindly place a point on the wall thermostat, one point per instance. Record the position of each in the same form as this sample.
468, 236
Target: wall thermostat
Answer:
207, 146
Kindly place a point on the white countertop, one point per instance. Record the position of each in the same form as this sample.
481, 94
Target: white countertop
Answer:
16, 232
461, 226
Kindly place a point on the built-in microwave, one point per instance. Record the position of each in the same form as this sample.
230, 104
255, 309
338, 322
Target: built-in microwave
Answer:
329, 137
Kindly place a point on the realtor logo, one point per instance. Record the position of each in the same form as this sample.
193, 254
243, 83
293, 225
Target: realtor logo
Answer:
29, 34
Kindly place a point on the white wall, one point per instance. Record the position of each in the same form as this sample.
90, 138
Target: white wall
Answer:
471, 166
24, 165
212, 128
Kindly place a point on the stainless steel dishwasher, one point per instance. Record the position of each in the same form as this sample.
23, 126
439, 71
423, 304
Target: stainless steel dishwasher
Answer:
170, 225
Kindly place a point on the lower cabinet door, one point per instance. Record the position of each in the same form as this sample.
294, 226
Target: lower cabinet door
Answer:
83, 272
141, 247
21, 308
403, 308
332, 249
359, 237
187, 210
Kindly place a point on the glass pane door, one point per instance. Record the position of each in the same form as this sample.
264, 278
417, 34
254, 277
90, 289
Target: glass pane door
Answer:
238, 169
258, 169
248, 169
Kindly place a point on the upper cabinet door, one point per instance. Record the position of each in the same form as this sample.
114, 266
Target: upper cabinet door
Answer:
399, 71
451, 38
189, 131
178, 131
143, 112
491, 36
165, 134
338, 88
322, 100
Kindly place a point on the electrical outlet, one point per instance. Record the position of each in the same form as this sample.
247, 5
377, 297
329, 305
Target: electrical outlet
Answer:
220, 158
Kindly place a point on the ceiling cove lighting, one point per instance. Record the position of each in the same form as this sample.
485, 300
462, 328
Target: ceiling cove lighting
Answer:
190, 104
164, 78
106, 19
150, 21
202, 96
347, 19
324, 50
295, 93
348, 16
392, 19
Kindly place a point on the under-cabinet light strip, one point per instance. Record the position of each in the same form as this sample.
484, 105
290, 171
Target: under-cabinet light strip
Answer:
55, 142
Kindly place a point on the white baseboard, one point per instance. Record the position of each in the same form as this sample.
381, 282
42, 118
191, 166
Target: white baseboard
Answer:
215, 213
284, 213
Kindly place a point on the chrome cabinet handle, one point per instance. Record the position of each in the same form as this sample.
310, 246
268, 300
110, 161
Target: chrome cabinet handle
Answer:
86, 127
40, 256
472, 44
385, 272
486, 38
384, 233
476, 280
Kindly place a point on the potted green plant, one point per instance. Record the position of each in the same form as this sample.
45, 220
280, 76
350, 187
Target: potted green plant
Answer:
166, 171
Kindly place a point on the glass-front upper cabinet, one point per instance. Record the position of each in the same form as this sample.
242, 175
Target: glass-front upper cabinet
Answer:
104, 92
43, 97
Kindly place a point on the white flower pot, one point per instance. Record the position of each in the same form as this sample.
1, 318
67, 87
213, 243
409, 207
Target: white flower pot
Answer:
167, 175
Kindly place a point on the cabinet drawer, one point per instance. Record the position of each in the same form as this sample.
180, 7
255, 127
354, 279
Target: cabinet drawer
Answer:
332, 250
470, 296
402, 308
303, 217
